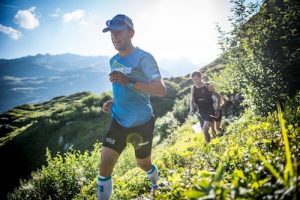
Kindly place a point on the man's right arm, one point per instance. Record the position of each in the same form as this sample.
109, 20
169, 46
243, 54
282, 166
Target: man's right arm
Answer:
107, 106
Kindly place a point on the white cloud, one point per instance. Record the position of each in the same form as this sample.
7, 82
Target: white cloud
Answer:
12, 80
73, 16
55, 13
27, 19
12, 33
27, 90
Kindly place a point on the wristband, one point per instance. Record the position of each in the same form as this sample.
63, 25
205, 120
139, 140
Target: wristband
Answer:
132, 80
131, 83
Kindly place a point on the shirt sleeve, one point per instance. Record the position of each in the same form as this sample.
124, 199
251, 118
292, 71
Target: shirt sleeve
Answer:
150, 68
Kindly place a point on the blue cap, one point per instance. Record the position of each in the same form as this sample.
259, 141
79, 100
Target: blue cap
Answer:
119, 22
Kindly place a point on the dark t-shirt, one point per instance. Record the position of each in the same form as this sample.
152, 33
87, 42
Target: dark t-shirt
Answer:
202, 98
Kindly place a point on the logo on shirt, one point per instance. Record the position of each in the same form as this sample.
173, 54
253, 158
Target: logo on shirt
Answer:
110, 140
116, 66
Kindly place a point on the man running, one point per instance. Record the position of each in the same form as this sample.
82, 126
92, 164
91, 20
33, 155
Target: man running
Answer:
201, 96
134, 76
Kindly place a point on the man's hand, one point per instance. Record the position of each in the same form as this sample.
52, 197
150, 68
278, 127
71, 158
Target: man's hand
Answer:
107, 106
118, 77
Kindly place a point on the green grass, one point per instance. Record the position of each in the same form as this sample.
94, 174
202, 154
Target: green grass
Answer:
249, 162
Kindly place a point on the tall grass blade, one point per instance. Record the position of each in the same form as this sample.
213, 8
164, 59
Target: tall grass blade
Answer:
288, 171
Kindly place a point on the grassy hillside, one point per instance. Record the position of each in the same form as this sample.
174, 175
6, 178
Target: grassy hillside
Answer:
62, 123
256, 159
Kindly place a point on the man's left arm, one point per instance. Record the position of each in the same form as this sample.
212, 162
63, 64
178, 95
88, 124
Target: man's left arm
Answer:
155, 87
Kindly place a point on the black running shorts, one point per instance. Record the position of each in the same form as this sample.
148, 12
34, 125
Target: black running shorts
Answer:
140, 137
206, 116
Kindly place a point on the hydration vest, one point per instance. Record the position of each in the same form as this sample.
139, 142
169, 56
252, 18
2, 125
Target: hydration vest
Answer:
203, 98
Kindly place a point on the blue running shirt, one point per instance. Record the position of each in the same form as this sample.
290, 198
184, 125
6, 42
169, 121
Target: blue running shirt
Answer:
132, 107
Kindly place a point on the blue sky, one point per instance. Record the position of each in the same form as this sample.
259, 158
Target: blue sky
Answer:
165, 28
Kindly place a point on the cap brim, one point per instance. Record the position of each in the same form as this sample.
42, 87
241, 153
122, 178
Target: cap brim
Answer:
116, 28
106, 30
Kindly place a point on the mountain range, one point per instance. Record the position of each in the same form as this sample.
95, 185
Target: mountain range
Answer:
39, 78
34, 79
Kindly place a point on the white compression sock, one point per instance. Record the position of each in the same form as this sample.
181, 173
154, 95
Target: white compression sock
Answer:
104, 187
153, 175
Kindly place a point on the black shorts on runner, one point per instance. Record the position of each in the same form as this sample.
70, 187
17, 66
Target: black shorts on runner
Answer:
140, 137
206, 116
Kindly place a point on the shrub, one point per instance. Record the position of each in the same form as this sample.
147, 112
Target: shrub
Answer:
181, 109
166, 125
62, 178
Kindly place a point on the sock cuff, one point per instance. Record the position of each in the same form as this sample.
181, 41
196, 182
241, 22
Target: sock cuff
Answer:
152, 169
103, 178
